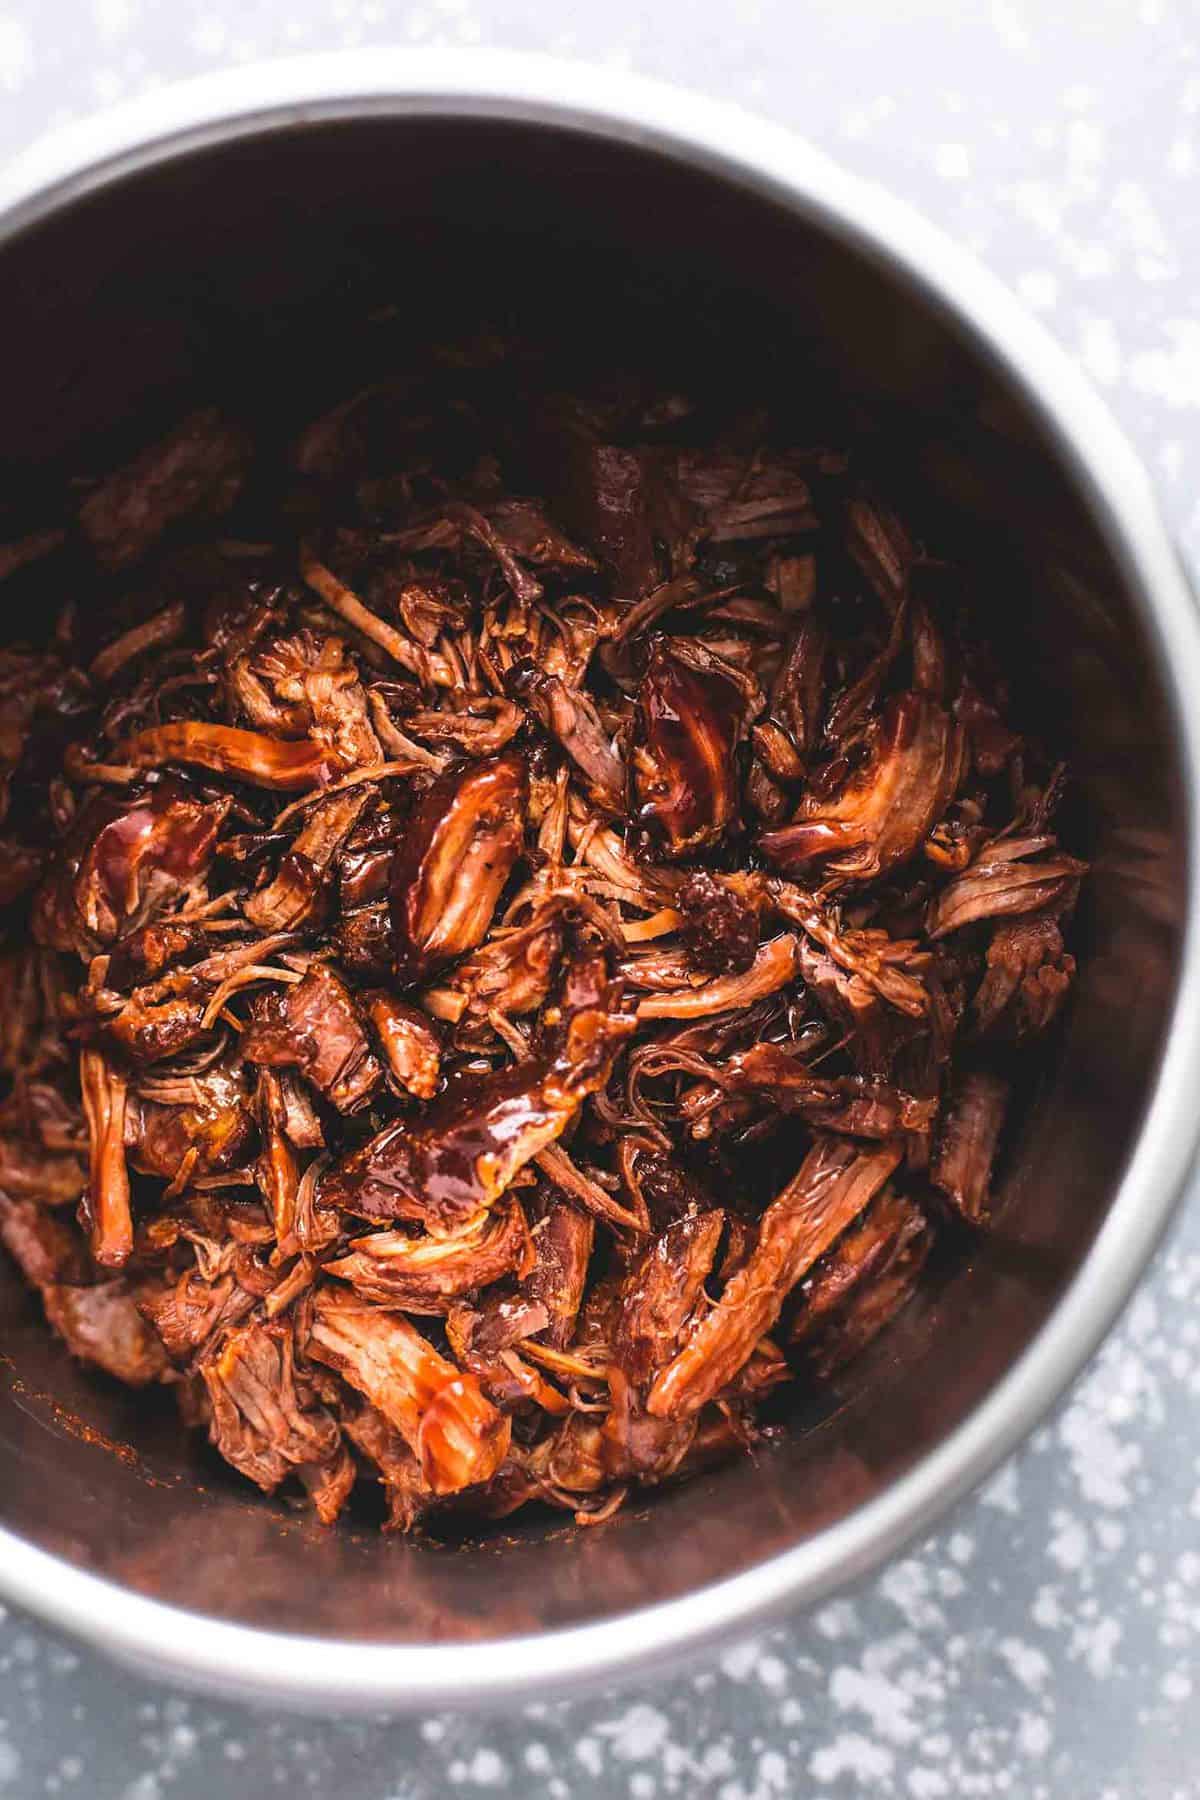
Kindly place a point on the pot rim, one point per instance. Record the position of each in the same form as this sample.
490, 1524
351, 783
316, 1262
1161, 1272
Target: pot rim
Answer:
245, 1662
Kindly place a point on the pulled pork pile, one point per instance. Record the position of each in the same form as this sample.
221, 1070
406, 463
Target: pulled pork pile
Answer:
496, 985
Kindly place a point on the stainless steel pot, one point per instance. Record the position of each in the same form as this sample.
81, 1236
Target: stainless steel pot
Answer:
193, 238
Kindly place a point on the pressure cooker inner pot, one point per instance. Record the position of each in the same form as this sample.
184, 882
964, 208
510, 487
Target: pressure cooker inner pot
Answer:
264, 274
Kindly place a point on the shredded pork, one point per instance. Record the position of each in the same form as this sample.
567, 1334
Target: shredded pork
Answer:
518, 919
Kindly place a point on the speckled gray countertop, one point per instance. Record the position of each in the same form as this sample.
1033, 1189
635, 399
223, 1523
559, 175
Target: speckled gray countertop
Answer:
1047, 1641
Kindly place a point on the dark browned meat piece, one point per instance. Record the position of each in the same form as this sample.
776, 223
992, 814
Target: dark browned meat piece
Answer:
148, 953
482, 728
1028, 977
41, 699
430, 607
850, 1104
891, 968
45, 1116
881, 546
175, 1127
263, 1421
480, 1328
297, 1115
668, 1191
122, 863
425, 1274
796, 695
659, 969
562, 1239
659, 1294
852, 721
693, 710
429, 666
651, 1307
161, 628
859, 1285
307, 686
524, 529
315, 1027
885, 812
1015, 875
477, 1138
623, 503
349, 436
454, 859
227, 750
148, 1031
188, 1312
408, 1493
774, 966
197, 468
738, 496
409, 1043
831, 1188
587, 1192
966, 1147
107, 1204
101, 1325
277, 1170
512, 973
571, 717
296, 894
29, 1170
638, 1445
992, 743
720, 927
42, 1245
363, 940
454, 522
458, 1437
364, 862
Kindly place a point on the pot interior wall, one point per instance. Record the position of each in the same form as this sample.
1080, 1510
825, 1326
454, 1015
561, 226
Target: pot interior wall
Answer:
245, 273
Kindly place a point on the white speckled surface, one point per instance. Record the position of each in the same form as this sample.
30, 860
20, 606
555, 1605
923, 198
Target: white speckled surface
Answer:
1047, 1641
